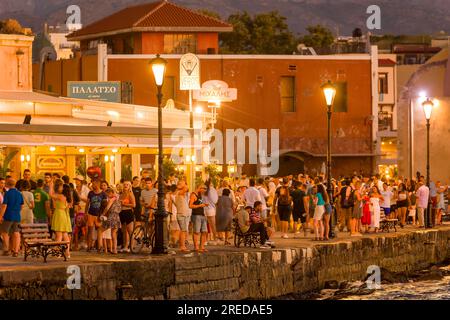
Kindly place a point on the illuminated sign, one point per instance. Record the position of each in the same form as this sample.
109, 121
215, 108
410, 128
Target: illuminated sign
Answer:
217, 91
102, 91
189, 72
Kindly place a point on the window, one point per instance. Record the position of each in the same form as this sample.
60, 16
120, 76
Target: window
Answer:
287, 93
340, 101
128, 45
180, 43
383, 83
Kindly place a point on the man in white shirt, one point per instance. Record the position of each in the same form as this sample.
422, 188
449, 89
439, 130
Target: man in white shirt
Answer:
423, 194
377, 182
387, 196
245, 182
82, 190
251, 195
264, 196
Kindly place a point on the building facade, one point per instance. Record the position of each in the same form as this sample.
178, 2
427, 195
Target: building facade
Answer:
274, 91
432, 80
161, 27
387, 161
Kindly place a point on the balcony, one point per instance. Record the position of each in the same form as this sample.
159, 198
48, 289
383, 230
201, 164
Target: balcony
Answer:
385, 121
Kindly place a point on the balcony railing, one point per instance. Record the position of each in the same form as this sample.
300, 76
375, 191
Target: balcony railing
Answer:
385, 121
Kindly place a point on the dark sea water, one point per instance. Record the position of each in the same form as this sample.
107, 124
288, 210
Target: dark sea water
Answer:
421, 290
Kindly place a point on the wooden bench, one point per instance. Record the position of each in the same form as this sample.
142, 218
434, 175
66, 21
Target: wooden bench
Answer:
36, 242
248, 238
387, 224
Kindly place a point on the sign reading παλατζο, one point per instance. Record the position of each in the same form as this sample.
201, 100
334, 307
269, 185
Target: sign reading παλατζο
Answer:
102, 91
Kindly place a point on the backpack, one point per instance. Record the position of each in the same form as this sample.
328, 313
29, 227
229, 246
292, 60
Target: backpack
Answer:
347, 202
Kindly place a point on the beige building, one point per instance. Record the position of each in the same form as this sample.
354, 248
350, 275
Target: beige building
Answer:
417, 82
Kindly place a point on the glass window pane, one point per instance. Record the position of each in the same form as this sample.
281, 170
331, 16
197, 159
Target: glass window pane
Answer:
287, 94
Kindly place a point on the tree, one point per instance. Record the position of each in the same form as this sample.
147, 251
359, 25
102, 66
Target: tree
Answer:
265, 33
210, 13
357, 33
319, 37
11, 26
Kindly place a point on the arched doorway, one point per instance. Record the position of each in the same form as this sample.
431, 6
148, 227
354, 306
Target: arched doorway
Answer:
291, 163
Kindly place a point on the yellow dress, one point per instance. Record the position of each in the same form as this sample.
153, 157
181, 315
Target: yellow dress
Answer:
61, 218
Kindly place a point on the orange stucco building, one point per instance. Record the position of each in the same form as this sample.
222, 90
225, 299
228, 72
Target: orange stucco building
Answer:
274, 92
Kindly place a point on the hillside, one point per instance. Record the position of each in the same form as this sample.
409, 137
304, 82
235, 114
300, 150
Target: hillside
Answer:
398, 16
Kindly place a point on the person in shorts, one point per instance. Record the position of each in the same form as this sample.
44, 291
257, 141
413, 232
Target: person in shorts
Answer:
41, 203
199, 220
183, 212
147, 197
93, 210
10, 218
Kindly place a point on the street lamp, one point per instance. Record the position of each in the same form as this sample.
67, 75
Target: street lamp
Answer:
159, 69
428, 110
329, 91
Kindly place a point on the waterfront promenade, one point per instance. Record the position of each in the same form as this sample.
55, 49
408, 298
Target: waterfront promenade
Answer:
296, 265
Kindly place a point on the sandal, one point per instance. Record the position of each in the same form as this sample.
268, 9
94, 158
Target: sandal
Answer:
203, 250
6, 253
15, 254
185, 251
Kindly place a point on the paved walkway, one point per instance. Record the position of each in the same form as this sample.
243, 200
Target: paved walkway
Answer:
83, 257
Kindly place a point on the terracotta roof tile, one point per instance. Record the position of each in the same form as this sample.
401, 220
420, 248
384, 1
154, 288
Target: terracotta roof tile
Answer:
386, 62
156, 16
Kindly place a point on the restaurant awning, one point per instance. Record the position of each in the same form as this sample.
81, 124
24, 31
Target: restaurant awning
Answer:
92, 136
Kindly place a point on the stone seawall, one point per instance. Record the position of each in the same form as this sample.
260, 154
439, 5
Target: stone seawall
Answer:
238, 274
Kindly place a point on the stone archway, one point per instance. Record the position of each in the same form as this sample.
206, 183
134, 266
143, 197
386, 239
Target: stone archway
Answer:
291, 163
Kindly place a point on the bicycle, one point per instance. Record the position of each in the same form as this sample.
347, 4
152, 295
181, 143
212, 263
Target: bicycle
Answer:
143, 236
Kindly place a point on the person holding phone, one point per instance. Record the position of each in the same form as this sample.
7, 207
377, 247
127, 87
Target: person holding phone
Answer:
199, 220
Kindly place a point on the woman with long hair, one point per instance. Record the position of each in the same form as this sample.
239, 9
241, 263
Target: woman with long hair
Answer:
357, 211
327, 213
112, 222
128, 203
375, 199
319, 210
402, 203
61, 224
284, 208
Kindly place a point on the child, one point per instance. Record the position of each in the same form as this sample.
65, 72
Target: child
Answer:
112, 223
80, 227
366, 219
107, 239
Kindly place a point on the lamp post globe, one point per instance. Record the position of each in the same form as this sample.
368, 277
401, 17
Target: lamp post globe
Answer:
329, 92
158, 66
428, 106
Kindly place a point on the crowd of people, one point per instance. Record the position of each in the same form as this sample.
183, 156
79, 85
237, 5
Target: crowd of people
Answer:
96, 216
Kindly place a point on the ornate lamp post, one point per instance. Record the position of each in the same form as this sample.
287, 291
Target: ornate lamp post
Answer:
428, 110
329, 91
159, 69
